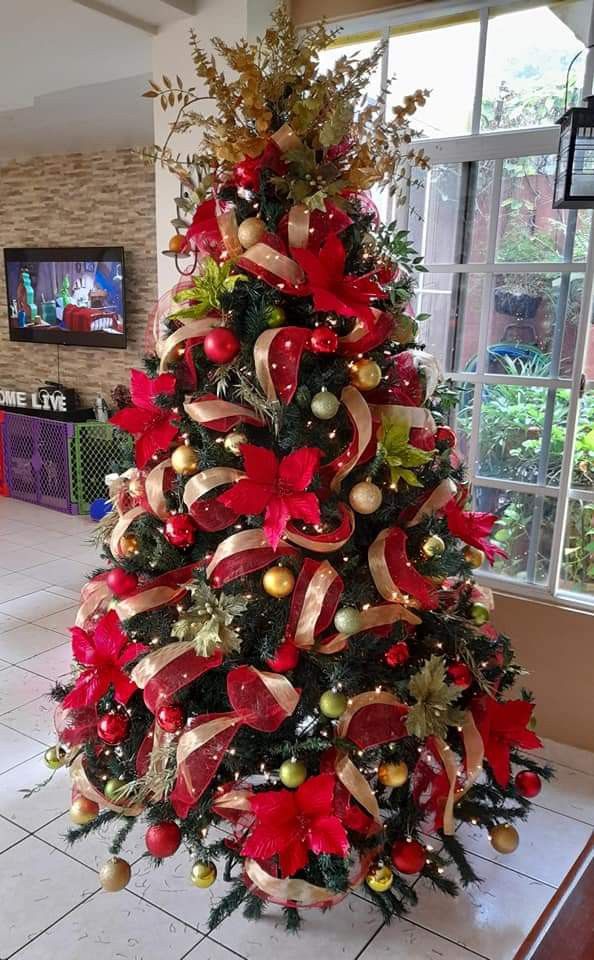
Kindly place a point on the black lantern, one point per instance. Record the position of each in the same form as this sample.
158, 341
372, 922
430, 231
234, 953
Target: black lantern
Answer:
574, 177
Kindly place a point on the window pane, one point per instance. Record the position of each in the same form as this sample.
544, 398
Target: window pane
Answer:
461, 416
528, 53
583, 460
577, 569
522, 433
533, 323
529, 230
453, 302
524, 530
441, 59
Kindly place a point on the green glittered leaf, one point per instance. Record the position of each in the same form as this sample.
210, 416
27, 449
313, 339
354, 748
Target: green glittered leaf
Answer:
208, 286
433, 712
399, 454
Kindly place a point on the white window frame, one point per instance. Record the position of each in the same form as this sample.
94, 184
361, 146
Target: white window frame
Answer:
499, 146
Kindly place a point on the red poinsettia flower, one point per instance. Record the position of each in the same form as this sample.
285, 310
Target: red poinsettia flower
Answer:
333, 290
276, 487
149, 423
473, 528
502, 725
290, 823
104, 653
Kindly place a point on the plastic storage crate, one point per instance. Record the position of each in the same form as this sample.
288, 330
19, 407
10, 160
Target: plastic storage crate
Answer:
3, 483
36, 461
96, 449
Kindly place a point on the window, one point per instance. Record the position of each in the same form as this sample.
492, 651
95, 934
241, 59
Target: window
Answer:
509, 282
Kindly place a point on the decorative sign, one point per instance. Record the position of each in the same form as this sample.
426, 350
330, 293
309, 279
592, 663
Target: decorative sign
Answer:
52, 400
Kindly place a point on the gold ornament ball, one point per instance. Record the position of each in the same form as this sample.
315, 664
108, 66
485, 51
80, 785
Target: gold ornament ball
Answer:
333, 704
474, 557
54, 757
112, 789
365, 374
114, 875
278, 581
275, 317
393, 774
250, 232
324, 405
348, 620
203, 874
365, 497
479, 613
233, 442
433, 546
129, 545
380, 879
83, 811
292, 773
504, 838
184, 460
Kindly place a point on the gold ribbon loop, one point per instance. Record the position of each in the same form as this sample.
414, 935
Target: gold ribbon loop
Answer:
378, 568
168, 348
298, 226
381, 615
153, 488
357, 785
313, 602
360, 414
442, 494
205, 481
227, 222
265, 257
262, 367
148, 600
120, 529
286, 138
208, 411
82, 785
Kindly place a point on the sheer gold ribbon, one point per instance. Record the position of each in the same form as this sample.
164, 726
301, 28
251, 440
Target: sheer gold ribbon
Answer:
167, 349
264, 256
153, 488
378, 568
442, 494
313, 601
357, 785
300, 892
207, 480
361, 416
474, 752
379, 616
237, 543
261, 352
321, 546
153, 663
82, 785
411, 416
120, 529
227, 222
94, 595
148, 600
286, 138
207, 411
298, 225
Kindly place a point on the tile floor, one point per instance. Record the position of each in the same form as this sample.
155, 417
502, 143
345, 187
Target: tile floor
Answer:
50, 902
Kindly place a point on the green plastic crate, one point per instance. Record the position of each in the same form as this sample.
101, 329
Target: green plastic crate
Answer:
96, 449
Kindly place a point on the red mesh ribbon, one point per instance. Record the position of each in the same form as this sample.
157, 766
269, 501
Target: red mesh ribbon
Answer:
201, 498
258, 700
362, 445
367, 336
220, 415
394, 574
324, 542
430, 785
313, 603
372, 719
76, 725
241, 554
171, 668
277, 355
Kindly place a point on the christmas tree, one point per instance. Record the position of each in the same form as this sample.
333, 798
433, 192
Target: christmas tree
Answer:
287, 639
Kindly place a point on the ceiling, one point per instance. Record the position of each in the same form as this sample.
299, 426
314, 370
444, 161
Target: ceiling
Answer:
72, 73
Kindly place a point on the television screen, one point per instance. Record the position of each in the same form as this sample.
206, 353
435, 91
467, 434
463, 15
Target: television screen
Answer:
67, 295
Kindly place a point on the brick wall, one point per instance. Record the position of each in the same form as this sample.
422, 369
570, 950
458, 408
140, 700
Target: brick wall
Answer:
80, 200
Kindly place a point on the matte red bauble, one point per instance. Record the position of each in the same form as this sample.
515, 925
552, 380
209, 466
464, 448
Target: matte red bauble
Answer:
397, 654
121, 583
445, 435
408, 856
323, 340
171, 718
221, 345
285, 658
528, 784
245, 176
460, 674
113, 727
180, 530
163, 839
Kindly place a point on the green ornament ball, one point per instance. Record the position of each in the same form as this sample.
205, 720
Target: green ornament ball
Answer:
333, 704
324, 405
348, 620
479, 613
112, 789
275, 317
292, 773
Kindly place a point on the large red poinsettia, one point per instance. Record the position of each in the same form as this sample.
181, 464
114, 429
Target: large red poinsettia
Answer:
502, 725
104, 653
149, 423
290, 823
473, 528
276, 487
333, 290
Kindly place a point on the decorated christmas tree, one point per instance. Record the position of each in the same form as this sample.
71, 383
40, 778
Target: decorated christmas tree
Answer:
287, 640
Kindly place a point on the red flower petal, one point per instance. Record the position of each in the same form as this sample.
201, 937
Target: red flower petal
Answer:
312, 266
124, 687
497, 755
275, 520
332, 256
293, 858
327, 835
109, 637
303, 506
296, 471
83, 648
130, 652
315, 797
89, 688
259, 463
141, 389
247, 497
155, 440
133, 420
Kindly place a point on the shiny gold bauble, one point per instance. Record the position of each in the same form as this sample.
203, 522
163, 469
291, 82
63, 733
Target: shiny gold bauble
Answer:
333, 704
83, 811
233, 441
393, 774
112, 790
380, 879
433, 546
479, 613
278, 581
184, 460
129, 545
474, 557
55, 757
365, 497
504, 838
114, 875
250, 232
365, 374
292, 773
203, 874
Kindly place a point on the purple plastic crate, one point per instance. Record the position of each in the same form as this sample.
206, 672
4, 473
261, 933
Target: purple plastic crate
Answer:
36, 458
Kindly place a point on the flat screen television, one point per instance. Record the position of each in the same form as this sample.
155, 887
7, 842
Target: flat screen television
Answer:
74, 296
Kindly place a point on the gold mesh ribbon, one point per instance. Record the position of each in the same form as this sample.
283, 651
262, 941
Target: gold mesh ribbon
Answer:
288, 890
379, 616
474, 751
153, 488
205, 481
442, 494
298, 225
227, 222
379, 569
261, 352
83, 786
313, 602
168, 348
267, 258
207, 411
357, 785
120, 529
148, 600
360, 414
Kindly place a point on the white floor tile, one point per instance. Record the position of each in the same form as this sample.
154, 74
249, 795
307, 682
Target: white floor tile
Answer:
113, 927
9, 834
61, 573
45, 804
26, 640
64, 592
570, 792
14, 748
52, 663
39, 884
34, 719
21, 558
93, 850
7, 622
18, 585
561, 753
60, 621
18, 687
207, 949
35, 606
401, 940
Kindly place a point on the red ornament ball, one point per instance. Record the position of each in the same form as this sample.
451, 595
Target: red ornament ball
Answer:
221, 345
171, 718
397, 654
120, 582
244, 175
528, 784
408, 856
285, 658
163, 839
180, 530
460, 675
323, 340
113, 727
445, 435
